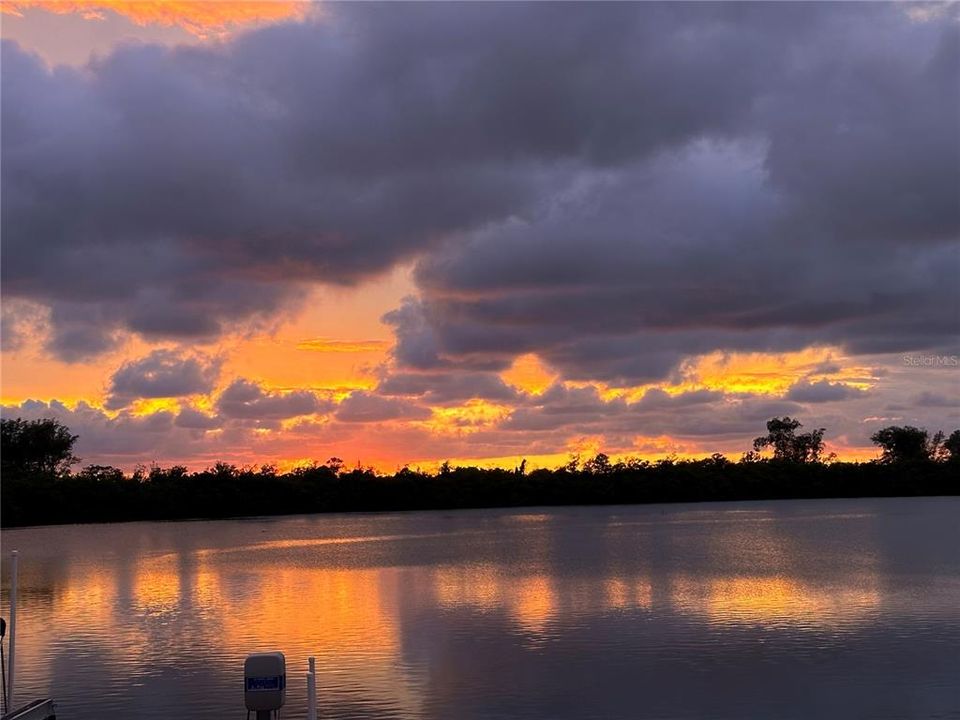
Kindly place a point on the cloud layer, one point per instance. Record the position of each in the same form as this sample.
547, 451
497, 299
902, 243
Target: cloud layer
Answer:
614, 189
640, 182
162, 374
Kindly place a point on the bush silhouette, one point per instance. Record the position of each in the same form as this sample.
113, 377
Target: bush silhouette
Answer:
38, 487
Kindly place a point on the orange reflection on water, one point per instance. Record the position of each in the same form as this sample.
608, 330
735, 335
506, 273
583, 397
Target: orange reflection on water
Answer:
92, 592
156, 586
622, 594
530, 600
533, 602
775, 600
343, 617
345, 599
478, 586
328, 612
237, 604
206, 588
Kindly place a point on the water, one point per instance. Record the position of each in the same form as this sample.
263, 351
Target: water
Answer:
797, 609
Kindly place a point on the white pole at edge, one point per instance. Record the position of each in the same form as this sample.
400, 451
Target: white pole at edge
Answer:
311, 696
312, 688
14, 561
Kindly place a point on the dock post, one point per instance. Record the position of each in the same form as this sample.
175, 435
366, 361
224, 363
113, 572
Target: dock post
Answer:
312, 688
14, 571
311, 696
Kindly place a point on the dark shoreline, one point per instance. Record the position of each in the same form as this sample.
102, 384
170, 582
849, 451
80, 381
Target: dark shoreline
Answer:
229, 492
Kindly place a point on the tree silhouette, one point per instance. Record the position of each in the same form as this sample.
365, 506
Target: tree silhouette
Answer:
903, 444
787, 445
598, 465
952, 446
100, 473
34, 494
36, 447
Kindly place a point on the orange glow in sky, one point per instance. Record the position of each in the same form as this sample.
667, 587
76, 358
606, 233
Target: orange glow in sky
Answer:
529, 374
200, 18
326, 345
771, 373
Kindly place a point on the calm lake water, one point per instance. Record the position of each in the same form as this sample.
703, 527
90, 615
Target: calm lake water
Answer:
796, 609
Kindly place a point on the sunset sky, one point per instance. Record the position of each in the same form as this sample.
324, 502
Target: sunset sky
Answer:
275, 232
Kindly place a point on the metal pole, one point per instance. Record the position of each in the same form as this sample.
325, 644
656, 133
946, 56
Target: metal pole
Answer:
14, 562
3, 665
312, 689
311, 696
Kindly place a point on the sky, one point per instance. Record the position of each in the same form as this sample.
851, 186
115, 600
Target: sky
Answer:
277, 232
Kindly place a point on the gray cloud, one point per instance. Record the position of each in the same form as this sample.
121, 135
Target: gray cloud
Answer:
102, 438
572, 178
828, 216
656, 398
441, 388
822, 391
194, 419
18, 321
828, 367
563, 407
549, 422
690, 253
247, 400
693, 415
162, 374
125, 439
362, 406
948, 399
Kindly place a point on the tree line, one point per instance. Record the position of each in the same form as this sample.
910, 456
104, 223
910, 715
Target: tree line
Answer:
40, 486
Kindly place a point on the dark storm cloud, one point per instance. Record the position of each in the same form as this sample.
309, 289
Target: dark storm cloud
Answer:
822, 391
691, 415
247, 400
690, 253
659, 399
367, 407
612, 186
828, 367
560, 406
194, 419
830, 217
439, 388
949, 399
162, 374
